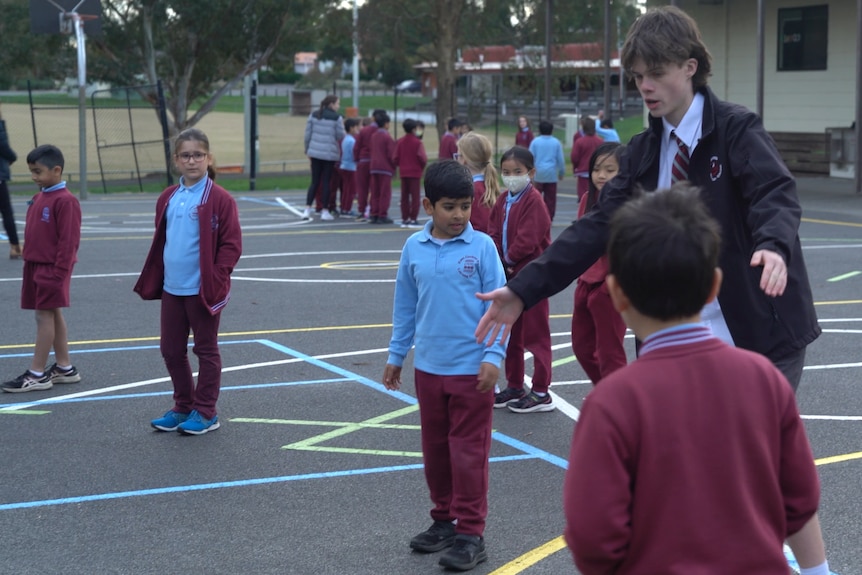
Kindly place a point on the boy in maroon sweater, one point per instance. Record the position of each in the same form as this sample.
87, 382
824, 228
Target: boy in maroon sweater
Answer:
51, 238
382, 169
362, 155
410, 158
670, 472
449, 141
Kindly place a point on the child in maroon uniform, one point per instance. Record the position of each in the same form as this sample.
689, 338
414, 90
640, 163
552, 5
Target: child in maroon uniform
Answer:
693, 459
382, 169
582, 149
410, 158
196, 245
449, 141
474, 151
362, 155
521, 229
51, 237
597, 328
524, 135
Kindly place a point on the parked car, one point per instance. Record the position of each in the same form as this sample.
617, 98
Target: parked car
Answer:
409, 86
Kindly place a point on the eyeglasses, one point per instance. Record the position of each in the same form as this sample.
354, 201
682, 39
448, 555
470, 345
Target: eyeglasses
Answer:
456, 156
188, 157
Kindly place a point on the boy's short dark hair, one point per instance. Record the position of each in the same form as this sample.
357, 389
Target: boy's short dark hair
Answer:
663, 251
448, 179
382, 119
453, 123
607, 123
546, 128
349, 124
588, 125
667, 35
47, 155
409, 125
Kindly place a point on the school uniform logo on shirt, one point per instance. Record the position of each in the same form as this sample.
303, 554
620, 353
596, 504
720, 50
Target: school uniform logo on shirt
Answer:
715, 168
214, 222
46, 214
468, 265
193, 213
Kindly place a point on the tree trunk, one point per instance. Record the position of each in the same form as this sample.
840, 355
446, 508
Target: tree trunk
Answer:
447, 15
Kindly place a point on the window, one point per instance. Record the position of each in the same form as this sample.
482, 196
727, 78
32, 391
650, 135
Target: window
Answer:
802, 38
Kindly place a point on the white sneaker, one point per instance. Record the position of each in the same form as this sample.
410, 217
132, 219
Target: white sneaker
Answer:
325, 215
306, 214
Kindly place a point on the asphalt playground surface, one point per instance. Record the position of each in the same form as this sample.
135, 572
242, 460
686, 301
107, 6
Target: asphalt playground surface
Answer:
317, 468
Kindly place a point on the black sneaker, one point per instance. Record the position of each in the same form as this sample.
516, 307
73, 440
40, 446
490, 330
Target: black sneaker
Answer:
373, 220
28, 382
437, 537
531, 403
59, 375
467, 552
507, 396
385, 220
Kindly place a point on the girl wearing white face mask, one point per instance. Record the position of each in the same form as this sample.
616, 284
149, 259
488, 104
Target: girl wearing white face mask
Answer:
521, 229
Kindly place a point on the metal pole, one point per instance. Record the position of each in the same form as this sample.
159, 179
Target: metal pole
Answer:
395, 115
356, 57
82, 104
760, 57
548, 58
622, 105
252, 136
166, 134
607, 105
858, 167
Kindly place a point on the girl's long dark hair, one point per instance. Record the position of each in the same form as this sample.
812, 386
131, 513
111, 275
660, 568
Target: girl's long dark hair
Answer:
614, 149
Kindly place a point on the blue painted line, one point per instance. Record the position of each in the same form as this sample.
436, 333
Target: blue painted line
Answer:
132, 348
227, 484
512, 442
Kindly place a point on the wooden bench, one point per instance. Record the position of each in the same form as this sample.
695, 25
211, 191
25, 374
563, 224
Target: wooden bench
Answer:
804, 152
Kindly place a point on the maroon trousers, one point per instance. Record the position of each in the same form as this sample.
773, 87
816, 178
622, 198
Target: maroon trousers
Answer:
456, 442
532, 332
348, 189
410, 198
179, 315
549, 193
363, 183
381, 195
597, 331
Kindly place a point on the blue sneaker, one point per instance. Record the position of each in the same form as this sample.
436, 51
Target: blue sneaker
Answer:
170, 421
197, 425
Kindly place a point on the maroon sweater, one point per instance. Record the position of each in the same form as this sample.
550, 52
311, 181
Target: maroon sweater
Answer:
523, 138
448, 147
52, 232
691, 459
410, 157
528, 231
382, 152
597, 272
220, 247
582, 149
480, 214
362, 147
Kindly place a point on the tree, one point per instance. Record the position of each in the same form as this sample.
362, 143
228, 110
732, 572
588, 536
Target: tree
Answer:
200, 49
26, 56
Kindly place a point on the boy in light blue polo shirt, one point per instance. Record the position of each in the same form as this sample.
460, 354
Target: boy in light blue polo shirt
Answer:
550, 165
442, 267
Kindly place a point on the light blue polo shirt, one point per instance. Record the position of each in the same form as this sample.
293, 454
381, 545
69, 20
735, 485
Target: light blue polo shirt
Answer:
182, 255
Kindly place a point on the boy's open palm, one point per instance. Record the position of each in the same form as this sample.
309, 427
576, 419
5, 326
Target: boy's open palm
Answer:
488, 374
392, 377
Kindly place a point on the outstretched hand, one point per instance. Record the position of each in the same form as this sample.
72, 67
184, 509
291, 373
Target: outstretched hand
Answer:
506, 308
773, 280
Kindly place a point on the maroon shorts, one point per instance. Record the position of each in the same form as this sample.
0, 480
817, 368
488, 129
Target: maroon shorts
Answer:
42, 289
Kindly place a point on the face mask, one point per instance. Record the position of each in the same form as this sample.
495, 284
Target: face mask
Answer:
419, 133
516, 184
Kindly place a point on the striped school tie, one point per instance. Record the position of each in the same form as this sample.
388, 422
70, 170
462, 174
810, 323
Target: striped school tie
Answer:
679, 171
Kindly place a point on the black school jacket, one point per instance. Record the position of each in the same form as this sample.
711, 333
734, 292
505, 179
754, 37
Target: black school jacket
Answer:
751, 193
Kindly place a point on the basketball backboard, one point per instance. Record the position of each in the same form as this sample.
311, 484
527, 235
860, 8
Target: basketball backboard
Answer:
45, 15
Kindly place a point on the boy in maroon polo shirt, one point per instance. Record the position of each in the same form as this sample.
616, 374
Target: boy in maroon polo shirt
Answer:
670, 471
51, 237
410, 158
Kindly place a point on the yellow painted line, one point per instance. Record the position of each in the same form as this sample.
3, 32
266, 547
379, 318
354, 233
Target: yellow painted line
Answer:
23, 412
325, 423
532, 557
839, 302
838, 458
832, 223
563, 361
356, 451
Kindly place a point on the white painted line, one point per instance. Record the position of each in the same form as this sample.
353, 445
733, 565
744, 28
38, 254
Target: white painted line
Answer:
288, 207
